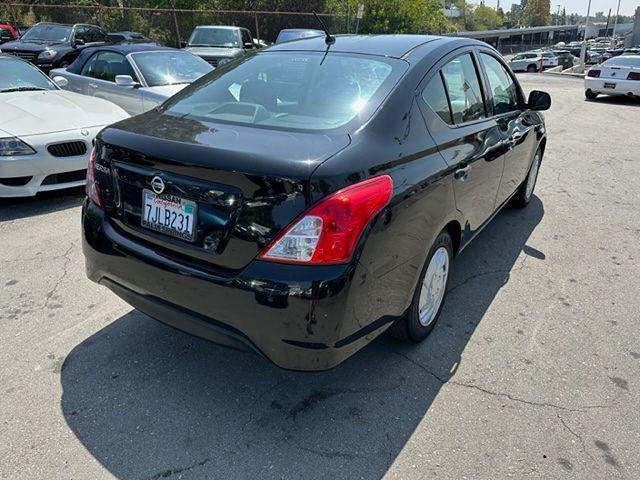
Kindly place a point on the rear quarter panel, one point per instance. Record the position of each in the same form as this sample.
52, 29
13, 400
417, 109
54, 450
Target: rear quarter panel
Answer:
394, 249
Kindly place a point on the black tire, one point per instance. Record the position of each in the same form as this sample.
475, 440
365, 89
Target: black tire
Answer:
590, 95
409, 328
532, 69
522, 198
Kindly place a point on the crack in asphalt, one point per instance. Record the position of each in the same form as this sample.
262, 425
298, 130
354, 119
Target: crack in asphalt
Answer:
576, 435
51, 292
496, 394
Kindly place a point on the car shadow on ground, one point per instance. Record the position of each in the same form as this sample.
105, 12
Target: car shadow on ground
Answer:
148, 401
43, 203
617, 100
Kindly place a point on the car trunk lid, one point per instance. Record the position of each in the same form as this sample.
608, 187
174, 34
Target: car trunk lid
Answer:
246, 183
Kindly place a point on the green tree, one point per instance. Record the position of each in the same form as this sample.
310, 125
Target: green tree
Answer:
394, 16
537, 13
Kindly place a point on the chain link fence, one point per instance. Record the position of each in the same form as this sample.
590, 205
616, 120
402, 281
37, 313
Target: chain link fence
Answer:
166, 25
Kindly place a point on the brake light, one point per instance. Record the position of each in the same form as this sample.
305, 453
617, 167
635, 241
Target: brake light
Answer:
593, 73
328, 232
633, 76
92, 187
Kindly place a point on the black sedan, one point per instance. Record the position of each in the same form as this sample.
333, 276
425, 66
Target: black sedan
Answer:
305, 198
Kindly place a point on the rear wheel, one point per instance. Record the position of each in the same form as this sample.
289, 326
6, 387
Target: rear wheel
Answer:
590, 95
428, 297
525, 193
532, 69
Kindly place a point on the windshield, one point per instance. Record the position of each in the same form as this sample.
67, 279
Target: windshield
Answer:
290, 90
215, 37
170, 68
47, 33
628, 61
18, 75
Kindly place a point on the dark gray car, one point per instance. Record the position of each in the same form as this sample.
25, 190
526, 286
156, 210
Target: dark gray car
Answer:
218, 44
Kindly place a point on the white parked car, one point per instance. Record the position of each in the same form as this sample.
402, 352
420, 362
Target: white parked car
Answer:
137, 77
549, 59
617, 76
527, 62
45, 133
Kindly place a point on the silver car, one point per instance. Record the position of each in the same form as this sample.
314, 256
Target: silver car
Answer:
135, 77
527, 62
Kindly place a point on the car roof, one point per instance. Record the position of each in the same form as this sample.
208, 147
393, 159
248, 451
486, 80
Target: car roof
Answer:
121, 48
228, 27
396, 46
300, 30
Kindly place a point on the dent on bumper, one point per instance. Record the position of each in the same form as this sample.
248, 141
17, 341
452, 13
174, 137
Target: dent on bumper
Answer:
296, 316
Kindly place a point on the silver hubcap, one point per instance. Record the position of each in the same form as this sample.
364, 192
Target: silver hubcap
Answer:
533, 175
433, 285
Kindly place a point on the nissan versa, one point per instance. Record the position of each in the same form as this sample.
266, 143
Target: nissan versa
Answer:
305, 198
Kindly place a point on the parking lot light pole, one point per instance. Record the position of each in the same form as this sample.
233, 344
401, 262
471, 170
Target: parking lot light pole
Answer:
615, 25
583, 51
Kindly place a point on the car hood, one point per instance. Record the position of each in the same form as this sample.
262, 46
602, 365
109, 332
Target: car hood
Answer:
166, 90
26, 46
215, 51
34, 113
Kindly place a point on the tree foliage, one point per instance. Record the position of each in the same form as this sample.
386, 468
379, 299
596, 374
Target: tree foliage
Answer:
537, 13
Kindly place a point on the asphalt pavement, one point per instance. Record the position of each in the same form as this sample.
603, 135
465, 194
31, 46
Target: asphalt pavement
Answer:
532, 371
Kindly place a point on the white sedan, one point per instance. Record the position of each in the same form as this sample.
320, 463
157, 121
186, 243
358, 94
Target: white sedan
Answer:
617, 76
45, 133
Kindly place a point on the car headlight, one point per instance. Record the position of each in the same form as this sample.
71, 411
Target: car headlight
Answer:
11, 146
222, 61
48, 53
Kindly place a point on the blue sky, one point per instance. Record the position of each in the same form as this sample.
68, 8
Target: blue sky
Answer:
627, 7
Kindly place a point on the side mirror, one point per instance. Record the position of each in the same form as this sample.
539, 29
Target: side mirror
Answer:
78, 42
539, 100
126, 81
60, 81
183, 44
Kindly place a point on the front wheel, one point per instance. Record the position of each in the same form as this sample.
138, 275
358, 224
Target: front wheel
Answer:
525, 192
532, 69
428, 298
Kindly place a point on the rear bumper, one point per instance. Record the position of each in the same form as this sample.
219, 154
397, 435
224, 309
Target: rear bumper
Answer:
299, 317
622, 86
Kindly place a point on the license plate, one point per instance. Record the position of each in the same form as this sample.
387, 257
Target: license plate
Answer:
609, 85
169, 214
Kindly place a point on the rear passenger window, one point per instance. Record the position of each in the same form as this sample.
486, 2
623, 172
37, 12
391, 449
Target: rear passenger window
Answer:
503, 89
435, 96
461, 81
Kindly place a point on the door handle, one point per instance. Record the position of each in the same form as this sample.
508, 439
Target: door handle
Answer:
462, 173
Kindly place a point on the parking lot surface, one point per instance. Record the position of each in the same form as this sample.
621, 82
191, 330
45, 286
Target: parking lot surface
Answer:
532, 371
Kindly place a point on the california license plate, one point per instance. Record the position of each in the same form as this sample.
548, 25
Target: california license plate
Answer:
609, 85
169, 214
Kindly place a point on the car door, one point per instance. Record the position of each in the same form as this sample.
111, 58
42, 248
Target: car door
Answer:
100, 72
508, 106
517, 63
469, 141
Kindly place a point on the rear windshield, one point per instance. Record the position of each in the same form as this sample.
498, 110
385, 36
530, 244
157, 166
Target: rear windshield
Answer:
628, 61
290, 90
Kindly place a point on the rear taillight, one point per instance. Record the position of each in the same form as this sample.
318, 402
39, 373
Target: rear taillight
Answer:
92, 187
633, 76
593, 73
328, 232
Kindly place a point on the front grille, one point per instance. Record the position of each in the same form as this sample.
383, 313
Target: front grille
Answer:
28, 56
66, 177
68, 149
15, 181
